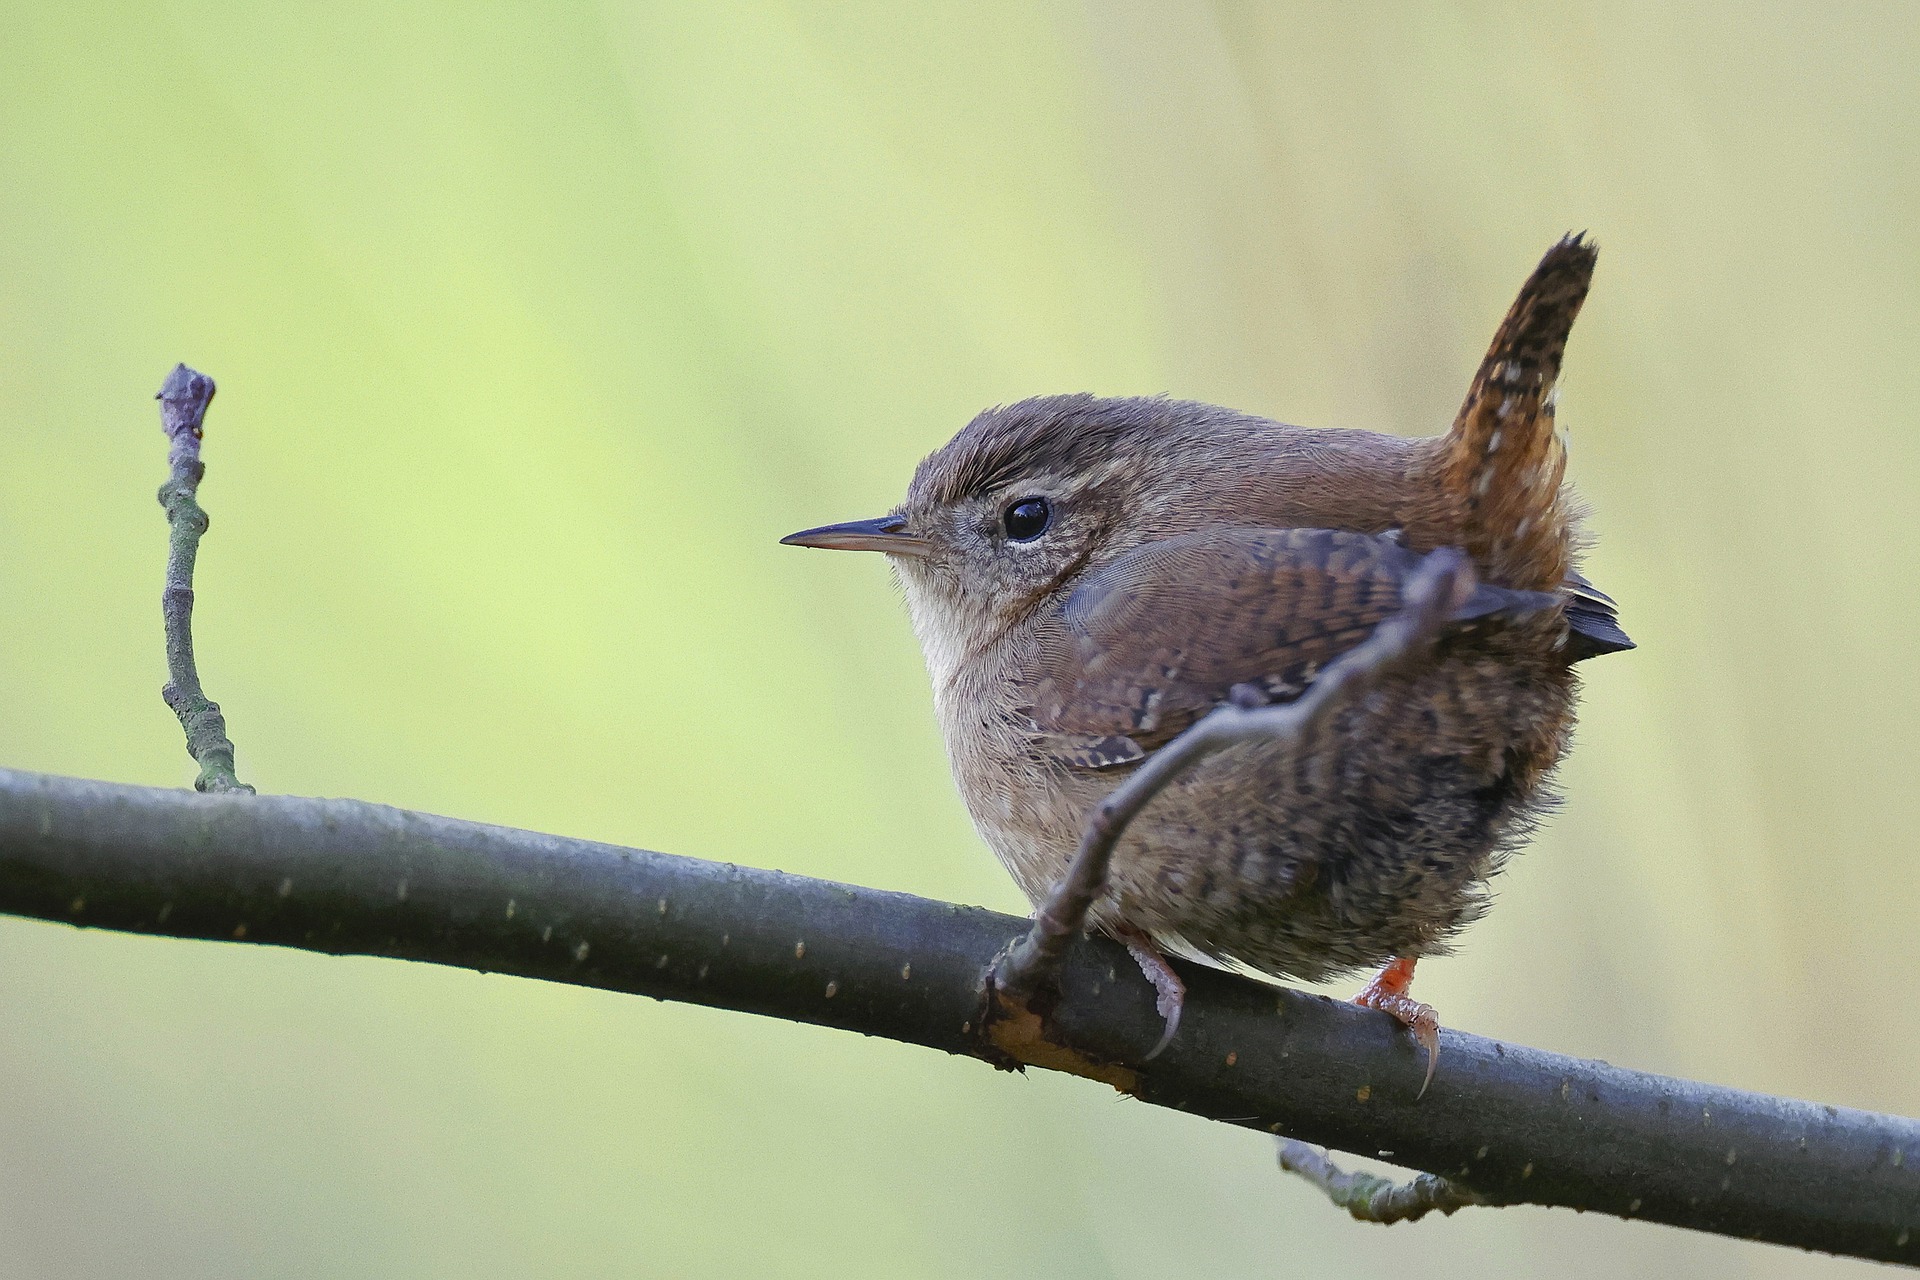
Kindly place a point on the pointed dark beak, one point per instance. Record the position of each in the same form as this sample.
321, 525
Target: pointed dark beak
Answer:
883, 534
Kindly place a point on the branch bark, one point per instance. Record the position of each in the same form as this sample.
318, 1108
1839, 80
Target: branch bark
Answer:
1506, 1123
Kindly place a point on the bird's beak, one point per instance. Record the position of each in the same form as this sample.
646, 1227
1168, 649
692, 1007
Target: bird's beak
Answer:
883, 534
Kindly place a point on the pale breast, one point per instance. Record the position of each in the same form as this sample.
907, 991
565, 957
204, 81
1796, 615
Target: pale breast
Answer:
1024, 806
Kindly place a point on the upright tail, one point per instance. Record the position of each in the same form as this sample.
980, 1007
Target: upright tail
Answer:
1502, 464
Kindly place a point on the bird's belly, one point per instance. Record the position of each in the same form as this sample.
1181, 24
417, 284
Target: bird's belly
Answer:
1028, 815
1375, 843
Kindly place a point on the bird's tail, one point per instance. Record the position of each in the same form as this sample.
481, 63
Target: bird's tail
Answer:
1503, 462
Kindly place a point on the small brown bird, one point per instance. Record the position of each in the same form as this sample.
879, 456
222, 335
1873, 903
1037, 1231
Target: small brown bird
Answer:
1089, 577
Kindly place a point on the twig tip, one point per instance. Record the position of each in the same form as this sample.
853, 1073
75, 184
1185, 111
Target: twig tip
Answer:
183, 398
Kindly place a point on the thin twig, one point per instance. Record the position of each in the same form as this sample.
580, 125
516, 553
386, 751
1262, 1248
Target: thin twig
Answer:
1435, 590
183, 406
1371, 1198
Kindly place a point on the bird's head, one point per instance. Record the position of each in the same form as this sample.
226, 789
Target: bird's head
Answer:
1026, 499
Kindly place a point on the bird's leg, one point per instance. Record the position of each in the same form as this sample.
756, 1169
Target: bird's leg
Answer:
1170, 992
1388, 993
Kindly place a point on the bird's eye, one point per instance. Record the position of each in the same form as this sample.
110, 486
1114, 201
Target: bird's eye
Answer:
1028, 518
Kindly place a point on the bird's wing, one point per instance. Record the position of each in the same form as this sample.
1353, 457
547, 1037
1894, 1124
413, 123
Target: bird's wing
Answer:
1155, 640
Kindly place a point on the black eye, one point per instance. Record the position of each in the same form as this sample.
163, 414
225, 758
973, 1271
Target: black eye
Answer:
1028, 518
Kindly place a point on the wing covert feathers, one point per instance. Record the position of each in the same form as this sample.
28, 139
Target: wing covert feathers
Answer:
1161, 636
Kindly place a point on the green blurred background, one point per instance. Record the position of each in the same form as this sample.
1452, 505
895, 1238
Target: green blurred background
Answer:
535, 326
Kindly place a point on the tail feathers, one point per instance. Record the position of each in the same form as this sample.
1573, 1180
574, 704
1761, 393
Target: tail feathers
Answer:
1593, 621
1503, 462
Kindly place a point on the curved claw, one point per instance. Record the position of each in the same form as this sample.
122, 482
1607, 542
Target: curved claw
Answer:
1169, 1004
1388, 993
1170, 994
1425, 1025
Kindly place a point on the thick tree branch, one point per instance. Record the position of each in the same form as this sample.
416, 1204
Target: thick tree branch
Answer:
1506, 1123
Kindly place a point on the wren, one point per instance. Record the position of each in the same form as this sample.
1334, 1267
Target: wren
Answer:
1089, 577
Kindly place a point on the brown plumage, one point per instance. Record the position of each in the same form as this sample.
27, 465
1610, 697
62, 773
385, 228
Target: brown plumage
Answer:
1089, 577
1500, 469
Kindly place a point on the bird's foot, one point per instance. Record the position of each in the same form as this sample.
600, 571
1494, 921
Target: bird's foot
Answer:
1170, 992
1388, 993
